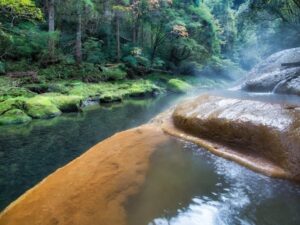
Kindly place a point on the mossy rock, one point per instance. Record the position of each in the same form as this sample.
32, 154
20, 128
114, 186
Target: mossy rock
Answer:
111, 97
67, 103
13, 103
178, 86
41, 107
19, 92
142, 88
14, 116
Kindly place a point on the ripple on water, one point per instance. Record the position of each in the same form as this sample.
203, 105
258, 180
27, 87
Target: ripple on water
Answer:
222, 193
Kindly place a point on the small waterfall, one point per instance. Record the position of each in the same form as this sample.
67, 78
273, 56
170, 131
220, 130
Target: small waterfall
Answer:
278, 85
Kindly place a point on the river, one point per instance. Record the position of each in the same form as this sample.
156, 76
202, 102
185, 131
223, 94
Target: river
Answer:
185, 184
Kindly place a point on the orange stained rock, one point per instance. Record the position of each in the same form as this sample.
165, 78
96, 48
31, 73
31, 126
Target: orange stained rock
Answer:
92, 188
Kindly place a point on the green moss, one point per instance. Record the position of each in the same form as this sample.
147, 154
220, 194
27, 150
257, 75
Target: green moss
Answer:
9, 104
66, 103
142, 88
14, 116
179, 86
111, 97
41, 107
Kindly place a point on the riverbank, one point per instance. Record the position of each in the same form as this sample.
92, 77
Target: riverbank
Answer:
23, 103
94, 187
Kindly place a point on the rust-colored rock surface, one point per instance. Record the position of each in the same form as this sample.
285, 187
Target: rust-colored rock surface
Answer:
92, 188
263, 136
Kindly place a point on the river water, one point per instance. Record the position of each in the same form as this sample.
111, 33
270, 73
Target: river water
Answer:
185, 185
30, 152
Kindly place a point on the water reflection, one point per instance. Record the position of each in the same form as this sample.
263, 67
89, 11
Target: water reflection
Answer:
30, 152
208, 190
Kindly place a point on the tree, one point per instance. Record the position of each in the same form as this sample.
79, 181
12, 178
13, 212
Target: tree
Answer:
51, 27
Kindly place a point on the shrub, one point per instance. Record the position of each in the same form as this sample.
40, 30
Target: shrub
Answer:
179, 86
130, 60
114, 74
92, 51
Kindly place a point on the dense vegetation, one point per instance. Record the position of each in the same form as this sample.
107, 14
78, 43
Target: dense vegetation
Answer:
176, 36
46, 43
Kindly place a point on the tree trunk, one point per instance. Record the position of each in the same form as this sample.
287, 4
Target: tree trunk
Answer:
134, 32
118, 36
142, 34
78, 51
108, 23
51, 27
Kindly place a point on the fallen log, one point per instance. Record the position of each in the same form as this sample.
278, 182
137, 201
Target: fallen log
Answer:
30, 74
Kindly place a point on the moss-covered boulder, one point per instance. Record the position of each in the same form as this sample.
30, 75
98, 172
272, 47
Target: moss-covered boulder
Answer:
12, 103
178, 86
41, 107
14, 116
67, 103
110, 97
142, 88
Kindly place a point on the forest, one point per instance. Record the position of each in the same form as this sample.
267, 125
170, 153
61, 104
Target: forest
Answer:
82, 38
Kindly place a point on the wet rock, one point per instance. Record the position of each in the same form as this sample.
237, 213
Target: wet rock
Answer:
14, 116
259, 135
279, 73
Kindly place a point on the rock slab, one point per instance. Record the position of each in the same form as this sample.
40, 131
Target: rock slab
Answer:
264, 132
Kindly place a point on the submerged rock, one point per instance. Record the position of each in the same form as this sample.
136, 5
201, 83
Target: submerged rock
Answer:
279, 73
263, 136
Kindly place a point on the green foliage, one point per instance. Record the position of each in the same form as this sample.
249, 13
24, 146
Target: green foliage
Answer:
179, 86
92, 51
114, 74
130, 60
20, 9
2, 67
24, 41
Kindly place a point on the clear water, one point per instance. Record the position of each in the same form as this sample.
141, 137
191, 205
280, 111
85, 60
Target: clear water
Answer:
187, 185
30, 152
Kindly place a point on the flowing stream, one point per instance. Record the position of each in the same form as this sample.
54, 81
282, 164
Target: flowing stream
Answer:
185, 184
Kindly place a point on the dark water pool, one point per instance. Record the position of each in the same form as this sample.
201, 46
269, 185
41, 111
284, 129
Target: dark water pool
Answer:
28, 153
187, 185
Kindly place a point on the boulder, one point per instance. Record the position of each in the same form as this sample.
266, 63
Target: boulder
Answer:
263, 136
14, 116
41, 107
279, 73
